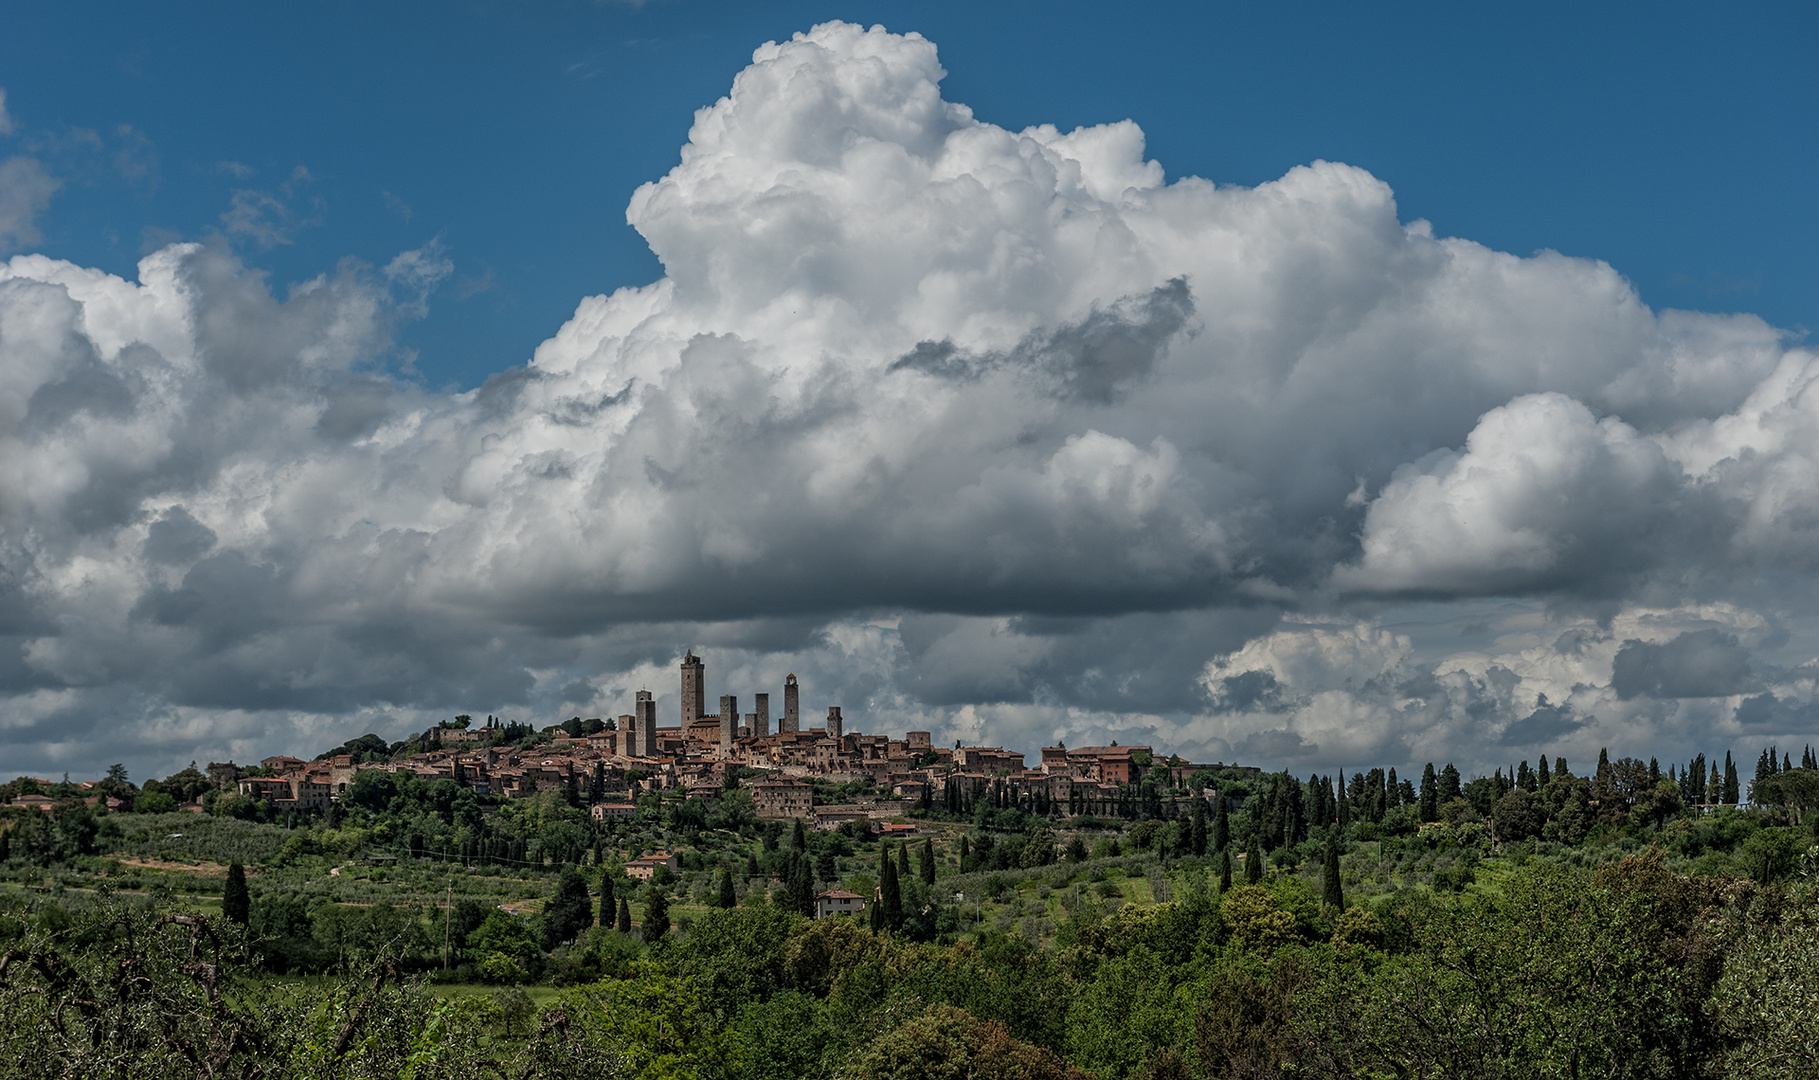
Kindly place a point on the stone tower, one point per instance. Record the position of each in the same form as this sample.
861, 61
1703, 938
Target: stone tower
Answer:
694, 689
834, 723
792, 708
645, 723
729, 723
761, 720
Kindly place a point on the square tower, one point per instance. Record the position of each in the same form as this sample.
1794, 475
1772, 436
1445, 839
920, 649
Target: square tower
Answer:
729, 723
792, 708
646, 725
694, 689
761, 719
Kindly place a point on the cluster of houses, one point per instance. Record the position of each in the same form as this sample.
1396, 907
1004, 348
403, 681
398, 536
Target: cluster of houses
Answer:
628, 754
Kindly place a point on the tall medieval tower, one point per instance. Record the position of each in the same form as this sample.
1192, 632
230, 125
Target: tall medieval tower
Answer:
792, 708
645, 723
729, 723
694, 689
761, 720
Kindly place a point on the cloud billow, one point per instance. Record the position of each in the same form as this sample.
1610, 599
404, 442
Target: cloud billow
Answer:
1025, 433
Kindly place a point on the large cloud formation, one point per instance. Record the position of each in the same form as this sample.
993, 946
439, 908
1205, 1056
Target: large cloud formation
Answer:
996, 432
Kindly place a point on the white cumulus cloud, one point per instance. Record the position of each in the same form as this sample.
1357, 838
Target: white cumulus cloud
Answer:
975, 426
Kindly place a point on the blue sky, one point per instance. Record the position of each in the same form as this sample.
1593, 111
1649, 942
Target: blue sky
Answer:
1676, 141
1466, 414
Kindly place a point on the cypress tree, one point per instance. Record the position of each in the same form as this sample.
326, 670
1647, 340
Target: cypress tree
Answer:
1560, 769
727, 898
656, 916
623, 923
1225, 871
1253, 861
236, 902
891, 898
1448, 787
801, 895
965, 855
607, 907
926, 861
1541, 774
1730, 780
798, 837
1329, 876
903, 868
1222, 825
1430, 794
568, 912
1196, 836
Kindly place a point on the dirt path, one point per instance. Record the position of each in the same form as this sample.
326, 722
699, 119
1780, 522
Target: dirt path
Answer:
205, 869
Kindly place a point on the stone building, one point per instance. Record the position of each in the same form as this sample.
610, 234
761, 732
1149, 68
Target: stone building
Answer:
783, 799
643, 868
838, 902
694, 688
646, 724
792, 708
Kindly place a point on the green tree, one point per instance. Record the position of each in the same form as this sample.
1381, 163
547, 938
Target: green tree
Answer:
651, 1025
1225, 871
569, 911
1253, 860
726, 898
1430, 794
1329, 876
890, 903
926, 862
946, 1043
799, 885
236, 902
1447, 788
1518, 816
607, 906
623, 923
154, 802
1222, 824
656, 915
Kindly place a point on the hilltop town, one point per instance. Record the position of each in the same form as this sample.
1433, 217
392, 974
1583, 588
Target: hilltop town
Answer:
606, 762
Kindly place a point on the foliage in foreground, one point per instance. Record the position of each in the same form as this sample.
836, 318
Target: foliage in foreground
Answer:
1629, 970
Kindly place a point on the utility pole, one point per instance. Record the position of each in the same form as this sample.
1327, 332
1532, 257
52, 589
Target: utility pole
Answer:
448, 913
